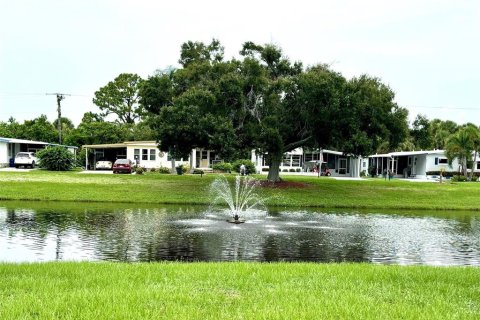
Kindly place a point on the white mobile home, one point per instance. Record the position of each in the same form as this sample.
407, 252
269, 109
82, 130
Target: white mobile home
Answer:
9, 147
302, 160
418, 164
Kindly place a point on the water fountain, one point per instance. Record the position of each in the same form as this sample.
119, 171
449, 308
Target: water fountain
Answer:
241, 198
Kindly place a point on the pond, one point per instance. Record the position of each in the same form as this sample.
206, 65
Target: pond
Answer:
43, 231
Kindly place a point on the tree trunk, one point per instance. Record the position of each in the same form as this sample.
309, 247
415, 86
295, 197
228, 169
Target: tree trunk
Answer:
474, 164
274, 170
174, 171
464, 165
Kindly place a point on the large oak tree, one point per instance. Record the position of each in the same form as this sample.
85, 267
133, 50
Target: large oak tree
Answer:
263, 101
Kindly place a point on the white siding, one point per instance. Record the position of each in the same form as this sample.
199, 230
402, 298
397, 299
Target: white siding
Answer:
4, 154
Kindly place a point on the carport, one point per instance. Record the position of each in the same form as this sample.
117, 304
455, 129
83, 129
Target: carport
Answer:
108, 152
9, 147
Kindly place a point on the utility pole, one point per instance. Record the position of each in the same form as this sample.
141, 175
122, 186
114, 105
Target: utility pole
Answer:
60, 97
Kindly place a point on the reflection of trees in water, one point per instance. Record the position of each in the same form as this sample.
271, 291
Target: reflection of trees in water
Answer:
152, 234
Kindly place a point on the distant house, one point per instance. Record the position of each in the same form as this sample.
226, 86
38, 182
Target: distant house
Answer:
303, 160
146, 154
418, 164
9, 147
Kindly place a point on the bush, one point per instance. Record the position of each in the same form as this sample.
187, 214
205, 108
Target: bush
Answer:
459, 178
250, 167
153, 170
372, 171
285, 170
198, 171
292, 170
475, 178
363, 173
298, 170
185, 168
445, 174
139, 170
56, 158
223, 167
164, 170
80, 160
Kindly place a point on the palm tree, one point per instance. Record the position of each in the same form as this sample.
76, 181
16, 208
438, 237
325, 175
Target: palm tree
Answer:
474, 134
460, 146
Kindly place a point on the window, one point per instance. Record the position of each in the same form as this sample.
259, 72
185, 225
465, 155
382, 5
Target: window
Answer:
436, 160
410, 161
443, 161
296, 160
478, 165
204, 154
286, 160
136, 154
144, 154
152, 154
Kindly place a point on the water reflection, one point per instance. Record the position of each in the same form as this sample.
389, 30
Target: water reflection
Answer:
45, 231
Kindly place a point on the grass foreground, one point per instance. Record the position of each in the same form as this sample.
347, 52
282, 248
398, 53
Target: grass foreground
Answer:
237, 291
193, 189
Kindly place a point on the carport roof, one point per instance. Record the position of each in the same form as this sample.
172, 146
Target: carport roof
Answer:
105, 146
13, 140
120, 145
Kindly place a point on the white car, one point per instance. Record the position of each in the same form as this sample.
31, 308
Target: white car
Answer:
103, 165
26, 159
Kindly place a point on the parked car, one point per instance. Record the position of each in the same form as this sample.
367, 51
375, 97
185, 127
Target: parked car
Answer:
103, 165
25, 159
123, 165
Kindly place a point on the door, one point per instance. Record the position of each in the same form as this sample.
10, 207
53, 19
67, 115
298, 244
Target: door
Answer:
342, 166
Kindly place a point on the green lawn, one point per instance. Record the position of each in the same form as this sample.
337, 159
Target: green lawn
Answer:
237, 291
193, 189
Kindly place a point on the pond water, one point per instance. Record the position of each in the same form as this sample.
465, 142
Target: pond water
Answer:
42, 231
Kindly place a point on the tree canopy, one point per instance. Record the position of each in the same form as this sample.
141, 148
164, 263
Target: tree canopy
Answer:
120, 97
265, 102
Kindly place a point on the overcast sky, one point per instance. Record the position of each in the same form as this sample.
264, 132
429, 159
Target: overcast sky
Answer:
427, 51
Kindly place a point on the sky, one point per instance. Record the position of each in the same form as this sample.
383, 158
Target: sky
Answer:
427, 51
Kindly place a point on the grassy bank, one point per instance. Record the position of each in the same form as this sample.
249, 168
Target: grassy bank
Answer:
193, 189
236, 290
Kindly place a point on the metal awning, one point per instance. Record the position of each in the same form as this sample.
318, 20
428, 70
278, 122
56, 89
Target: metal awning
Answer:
105, 146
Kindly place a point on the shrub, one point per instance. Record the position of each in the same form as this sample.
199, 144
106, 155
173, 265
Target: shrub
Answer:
139, 170
164, 170
250, 167
475, 178
298, 170
153, 170
372, 171
56, 158
285, 170
459, 178
445, 174
363, 173
292, 170
198, 171
185, 168
223, 166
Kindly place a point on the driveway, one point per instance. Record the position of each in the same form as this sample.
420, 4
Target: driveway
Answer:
11, 169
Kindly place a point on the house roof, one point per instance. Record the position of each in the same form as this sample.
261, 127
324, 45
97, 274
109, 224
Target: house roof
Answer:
406, 153
414, 153
23, 141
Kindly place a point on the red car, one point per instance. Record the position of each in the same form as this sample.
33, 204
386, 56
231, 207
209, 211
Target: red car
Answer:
122, 165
